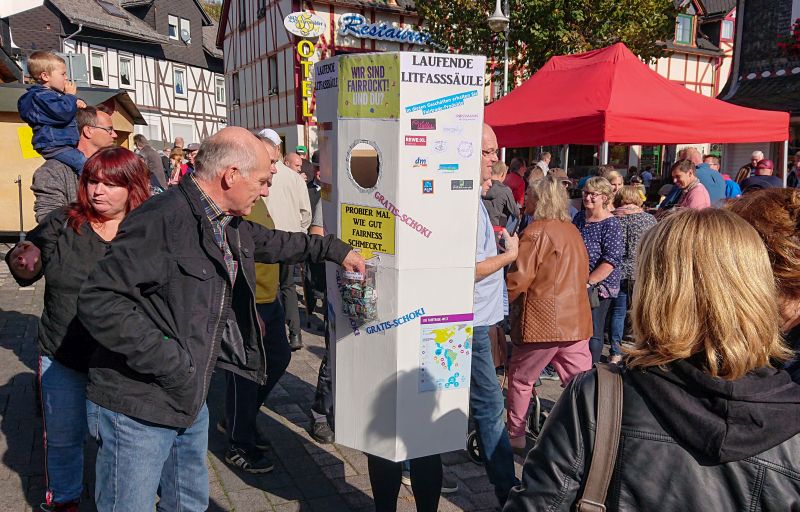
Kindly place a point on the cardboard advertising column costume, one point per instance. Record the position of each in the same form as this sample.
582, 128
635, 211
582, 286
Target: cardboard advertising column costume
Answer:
400, 148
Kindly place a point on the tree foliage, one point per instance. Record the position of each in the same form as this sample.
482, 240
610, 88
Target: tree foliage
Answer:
541, 29
213, 8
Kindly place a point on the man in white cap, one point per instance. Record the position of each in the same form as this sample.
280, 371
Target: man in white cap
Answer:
290, 209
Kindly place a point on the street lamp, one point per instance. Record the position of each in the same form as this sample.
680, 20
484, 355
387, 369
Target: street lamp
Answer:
499, 22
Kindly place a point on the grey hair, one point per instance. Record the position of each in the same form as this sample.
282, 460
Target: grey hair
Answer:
218, 153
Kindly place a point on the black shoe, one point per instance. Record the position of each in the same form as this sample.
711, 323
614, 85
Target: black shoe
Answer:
295, 342
251, 462
321, 432
261, 442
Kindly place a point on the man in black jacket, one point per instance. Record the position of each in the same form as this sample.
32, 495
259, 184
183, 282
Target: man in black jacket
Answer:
173, 297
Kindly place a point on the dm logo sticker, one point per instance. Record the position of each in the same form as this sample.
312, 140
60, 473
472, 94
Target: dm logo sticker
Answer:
421, 162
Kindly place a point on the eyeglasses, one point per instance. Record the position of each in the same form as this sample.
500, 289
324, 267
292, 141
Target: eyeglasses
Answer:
490, 152
107, 129
593, 195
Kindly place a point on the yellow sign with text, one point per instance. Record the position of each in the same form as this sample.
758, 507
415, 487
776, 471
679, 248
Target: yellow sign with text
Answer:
370, 229
369, 86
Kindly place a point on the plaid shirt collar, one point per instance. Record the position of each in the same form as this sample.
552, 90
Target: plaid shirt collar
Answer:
213, 212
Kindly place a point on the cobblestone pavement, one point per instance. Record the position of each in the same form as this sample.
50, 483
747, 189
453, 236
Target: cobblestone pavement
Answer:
307, 476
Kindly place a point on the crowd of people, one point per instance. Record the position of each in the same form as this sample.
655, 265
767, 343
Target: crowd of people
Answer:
201, 277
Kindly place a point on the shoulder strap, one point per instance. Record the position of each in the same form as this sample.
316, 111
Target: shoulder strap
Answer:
606, 439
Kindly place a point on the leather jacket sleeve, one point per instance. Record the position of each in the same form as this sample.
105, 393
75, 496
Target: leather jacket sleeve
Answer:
554, 470
109, 301
274, 246
532, 248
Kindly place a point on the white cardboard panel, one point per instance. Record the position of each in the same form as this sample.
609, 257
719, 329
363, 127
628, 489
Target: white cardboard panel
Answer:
383, 403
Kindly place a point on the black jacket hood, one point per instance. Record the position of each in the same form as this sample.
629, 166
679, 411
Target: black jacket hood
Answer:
718, 420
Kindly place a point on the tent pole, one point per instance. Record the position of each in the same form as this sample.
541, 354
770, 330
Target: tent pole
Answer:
566, 158
785, 161
603, 153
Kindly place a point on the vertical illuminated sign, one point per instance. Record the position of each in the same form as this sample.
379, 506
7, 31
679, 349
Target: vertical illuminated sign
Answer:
305, 50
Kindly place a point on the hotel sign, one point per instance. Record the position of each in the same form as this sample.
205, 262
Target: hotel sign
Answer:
304, 24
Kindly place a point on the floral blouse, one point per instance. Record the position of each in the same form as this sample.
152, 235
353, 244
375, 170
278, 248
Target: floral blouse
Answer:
604, 243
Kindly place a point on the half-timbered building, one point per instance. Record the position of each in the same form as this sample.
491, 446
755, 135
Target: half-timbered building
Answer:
161, 52
264, 68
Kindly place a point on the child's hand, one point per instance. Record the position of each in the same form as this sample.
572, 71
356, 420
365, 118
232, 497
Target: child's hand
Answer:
70, 88
81, 103
25, 260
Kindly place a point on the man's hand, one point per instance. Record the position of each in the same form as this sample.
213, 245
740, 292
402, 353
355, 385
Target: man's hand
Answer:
70, 88
511, 243
81, 103
25, 260
353, 262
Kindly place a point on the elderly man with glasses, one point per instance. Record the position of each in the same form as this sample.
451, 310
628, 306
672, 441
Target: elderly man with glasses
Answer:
485, 394
55, 183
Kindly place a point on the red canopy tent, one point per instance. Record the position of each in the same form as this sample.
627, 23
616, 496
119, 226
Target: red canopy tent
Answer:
609, 95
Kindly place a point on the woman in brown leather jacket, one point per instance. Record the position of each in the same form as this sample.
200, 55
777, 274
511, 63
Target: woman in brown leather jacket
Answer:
551, 320
708, 423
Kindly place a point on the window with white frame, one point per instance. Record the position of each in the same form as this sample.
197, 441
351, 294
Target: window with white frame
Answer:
126, 75
172, 27
186, 31
220, 89
727, 30
183, 129
98, 73
179, 82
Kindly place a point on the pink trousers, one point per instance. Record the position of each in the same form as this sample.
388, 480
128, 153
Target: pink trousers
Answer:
527, 362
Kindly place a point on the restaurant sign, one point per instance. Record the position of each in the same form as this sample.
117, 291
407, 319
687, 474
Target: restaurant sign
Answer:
356, 25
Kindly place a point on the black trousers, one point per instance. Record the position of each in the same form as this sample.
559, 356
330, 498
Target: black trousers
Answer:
426, 482
289, 298
323, 399
244, 397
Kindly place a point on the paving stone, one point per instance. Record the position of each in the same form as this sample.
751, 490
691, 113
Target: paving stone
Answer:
283, 495
249, 500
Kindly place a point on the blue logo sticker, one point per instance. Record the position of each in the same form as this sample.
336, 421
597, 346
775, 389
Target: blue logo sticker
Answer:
427, 186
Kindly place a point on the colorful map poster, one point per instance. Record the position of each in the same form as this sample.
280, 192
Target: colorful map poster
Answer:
445, 352
369, 86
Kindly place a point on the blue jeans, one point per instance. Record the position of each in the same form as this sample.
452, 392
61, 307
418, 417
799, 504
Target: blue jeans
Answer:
619, 311
73, 157
64, 408
599, 329
487, 409
137, 459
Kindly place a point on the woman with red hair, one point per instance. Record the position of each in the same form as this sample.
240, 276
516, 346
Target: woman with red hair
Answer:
64, 249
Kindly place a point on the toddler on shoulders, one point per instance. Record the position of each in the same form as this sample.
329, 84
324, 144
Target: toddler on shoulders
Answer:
49, 108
